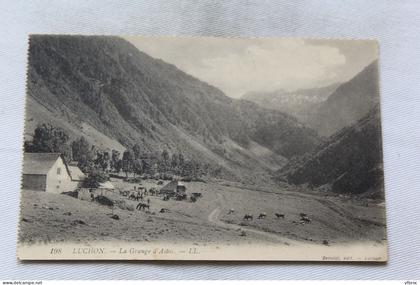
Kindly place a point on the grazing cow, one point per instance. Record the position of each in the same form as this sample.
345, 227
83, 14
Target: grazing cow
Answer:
142, 206
132, 196
231, 211
152, 191
305, 220
193, 199
278, 216
302, 215
164, 210
248, 217
139, 197
262, 216
196, 194
124, 193
180, 197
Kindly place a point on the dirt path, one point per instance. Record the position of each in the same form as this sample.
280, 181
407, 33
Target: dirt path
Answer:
213, 217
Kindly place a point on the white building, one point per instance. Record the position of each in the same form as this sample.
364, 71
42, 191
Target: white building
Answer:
48, 172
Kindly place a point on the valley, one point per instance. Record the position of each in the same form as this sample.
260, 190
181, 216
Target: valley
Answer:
278, 168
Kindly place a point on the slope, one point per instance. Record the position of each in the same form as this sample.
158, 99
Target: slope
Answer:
348, 162
129, 97
350, 102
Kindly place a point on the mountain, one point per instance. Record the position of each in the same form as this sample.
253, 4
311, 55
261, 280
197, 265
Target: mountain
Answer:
327, 109
296, 103
348, 103
107, 90
350, 161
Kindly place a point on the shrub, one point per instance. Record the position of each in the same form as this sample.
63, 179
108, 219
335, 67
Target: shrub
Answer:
103, 200
73, 194
133, 179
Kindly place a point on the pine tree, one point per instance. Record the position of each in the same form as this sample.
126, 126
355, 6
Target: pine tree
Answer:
127, 162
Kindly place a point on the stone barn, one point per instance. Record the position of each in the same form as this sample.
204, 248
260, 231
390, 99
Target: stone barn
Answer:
172, 188
48, 172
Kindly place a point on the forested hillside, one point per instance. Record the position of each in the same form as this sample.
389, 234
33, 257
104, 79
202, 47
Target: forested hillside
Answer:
348, 162
117, 96
349, 103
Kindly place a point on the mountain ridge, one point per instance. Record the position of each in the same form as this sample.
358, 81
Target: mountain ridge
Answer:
350, 102
296, 103
330, 108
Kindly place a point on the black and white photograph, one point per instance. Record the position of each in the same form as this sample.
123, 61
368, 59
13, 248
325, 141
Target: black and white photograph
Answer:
202, 148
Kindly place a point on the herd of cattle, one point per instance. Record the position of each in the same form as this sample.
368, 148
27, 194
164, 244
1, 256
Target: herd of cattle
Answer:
304, 219
140, 192
139, 195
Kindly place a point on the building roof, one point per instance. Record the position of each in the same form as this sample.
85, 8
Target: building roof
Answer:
106, 185
72, 163
171, 186
174, 185
38, 163
76, 173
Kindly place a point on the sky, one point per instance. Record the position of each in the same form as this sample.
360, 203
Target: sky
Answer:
238, 66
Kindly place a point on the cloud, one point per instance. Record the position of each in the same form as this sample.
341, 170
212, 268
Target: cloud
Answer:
238, 66
286, 65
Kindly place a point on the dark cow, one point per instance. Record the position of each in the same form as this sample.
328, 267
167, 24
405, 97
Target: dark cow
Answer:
279, 216
180, 197
139, 197
142, 206
153, 191
248, 217
305, 220
124, 193
262, 216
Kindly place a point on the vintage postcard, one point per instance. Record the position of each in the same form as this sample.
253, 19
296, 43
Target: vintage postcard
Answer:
189, 148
